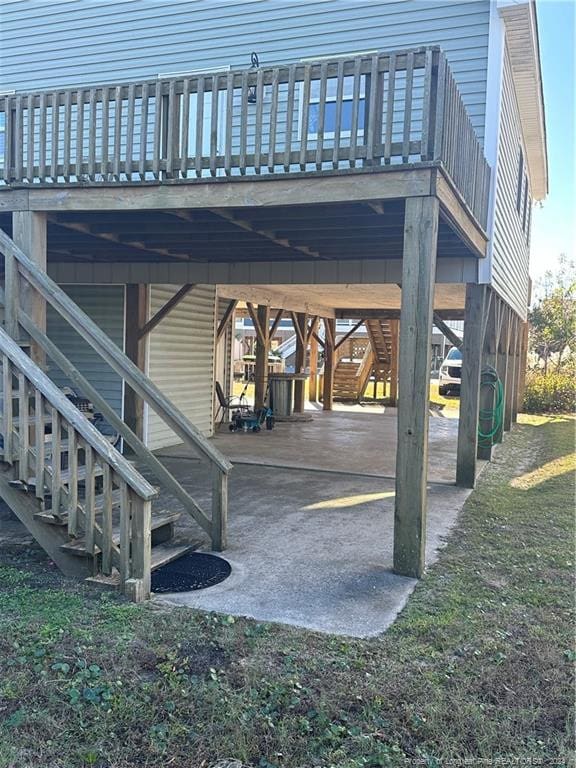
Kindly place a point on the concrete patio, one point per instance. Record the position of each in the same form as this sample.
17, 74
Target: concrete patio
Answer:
311, 520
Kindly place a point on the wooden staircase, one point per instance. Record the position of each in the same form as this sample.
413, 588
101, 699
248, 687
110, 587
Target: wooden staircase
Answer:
90, 508
358, 359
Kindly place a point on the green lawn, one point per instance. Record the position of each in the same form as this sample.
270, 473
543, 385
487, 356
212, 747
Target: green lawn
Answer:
478, 665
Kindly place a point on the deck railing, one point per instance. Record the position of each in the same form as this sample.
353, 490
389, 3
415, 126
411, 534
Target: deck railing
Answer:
375, 110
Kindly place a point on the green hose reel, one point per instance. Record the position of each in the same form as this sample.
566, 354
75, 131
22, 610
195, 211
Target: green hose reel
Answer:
489, 378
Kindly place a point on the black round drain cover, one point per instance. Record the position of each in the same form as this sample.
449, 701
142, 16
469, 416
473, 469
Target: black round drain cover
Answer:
194, 571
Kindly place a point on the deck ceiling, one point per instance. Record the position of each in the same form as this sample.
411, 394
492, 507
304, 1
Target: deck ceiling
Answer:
341, 231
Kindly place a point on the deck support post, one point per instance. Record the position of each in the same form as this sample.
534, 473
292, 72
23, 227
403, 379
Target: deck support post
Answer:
418, 276
301, 320
487, 394
329, 363
470, 385
29, 234
394, 330
313, 378
522, 363
262, 349
135, 347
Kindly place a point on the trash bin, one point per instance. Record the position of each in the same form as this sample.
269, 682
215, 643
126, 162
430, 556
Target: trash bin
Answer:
281, 395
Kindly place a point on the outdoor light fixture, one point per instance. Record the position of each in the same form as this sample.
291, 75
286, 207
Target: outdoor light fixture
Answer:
255, 63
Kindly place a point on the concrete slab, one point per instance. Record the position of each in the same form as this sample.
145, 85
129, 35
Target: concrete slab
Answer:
313, 549
355, 440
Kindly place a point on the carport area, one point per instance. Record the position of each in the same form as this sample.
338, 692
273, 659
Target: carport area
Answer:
311, 516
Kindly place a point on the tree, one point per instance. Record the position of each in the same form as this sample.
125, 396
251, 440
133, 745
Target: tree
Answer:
553, 317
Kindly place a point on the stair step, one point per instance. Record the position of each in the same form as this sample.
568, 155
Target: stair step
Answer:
169, 551
65, 475
48, 517
159, 520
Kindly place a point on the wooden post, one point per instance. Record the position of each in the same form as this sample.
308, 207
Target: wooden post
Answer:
137, 587
502, 365
394, 330
301, 321
418, 278
418, 274
522, 363
313, 379
29, 234
136, 317
328, 383
262, 349
470, 385
485, 420
219, 534
511, 391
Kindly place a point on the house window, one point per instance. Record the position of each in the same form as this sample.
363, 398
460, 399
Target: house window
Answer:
346, 119
519, 182
2, 136
526, 204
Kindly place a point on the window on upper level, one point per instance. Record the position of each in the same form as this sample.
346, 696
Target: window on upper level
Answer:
520, 182
2, 135
346, 118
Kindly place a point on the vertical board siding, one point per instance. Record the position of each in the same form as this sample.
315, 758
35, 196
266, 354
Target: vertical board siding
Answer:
104, 304
93, 42
510, 245
181, 359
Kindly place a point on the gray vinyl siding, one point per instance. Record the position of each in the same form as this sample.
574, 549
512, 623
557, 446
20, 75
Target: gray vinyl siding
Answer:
181, 359
105, 305
510, 246
85, 42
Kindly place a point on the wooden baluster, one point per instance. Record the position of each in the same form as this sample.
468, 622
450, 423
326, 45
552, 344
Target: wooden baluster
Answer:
89, 512
258, 126
7, 410
30, 149
105, 131
199, 127
137, 587
440, 108
6, 111
219, 509
425, 147
143, 132
42, 138
130, 131
338, 119
289, 117
117, 132
185, 130
67, 135
305, 115
23, 428
18, 138
243, 122
408, 89
107, 521
214, 125
125, 529
55, 136
79, 133
273, 119
229, 120
321, 115
157, 129
56, 462
92, 134
40, 443
370, 129
355, 112
73, 484
171, 113
389, 108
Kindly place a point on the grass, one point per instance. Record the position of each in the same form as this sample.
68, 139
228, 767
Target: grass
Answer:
478, 665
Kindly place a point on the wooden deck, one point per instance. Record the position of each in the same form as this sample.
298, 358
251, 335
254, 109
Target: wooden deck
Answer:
387, 111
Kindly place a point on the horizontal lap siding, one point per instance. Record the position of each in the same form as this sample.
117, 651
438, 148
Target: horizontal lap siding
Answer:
181, 359
510, 250
104, 304
86, 42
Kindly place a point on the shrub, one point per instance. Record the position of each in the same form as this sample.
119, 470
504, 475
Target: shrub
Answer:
552, 392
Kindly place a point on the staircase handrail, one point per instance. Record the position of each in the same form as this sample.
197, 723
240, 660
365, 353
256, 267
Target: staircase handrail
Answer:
114, 357
75, 418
